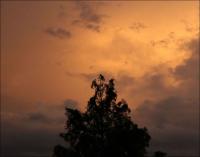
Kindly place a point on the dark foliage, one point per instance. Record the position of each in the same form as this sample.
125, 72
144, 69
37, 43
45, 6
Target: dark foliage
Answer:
105, 129
160, 154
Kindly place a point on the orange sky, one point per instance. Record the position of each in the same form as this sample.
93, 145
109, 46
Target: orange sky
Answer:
51, 51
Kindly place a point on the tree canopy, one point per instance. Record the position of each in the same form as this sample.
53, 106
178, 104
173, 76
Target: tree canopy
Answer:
105, 129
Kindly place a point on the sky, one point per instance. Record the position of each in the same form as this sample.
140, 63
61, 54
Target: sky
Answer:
52, 50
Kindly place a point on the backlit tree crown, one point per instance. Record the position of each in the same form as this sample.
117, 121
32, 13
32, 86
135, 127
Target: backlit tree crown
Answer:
105, 129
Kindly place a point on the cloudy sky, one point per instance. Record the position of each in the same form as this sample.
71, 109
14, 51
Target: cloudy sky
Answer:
51, 51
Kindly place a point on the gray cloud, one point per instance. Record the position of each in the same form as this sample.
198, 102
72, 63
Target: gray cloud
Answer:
88, 16
55, 115
36, 133
190, 69
188, 27
176, 141
162, 43
60, 33
38, 117
173, 117
174, 110
86, 76
155, 81
70, 103
173, 123
124, 81
22, 141
138, 26
165, 42
94, 27
62, 11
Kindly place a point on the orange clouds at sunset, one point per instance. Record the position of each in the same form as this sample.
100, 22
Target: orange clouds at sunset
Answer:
52, 50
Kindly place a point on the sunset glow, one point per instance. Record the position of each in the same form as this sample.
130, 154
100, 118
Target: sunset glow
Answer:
51, 51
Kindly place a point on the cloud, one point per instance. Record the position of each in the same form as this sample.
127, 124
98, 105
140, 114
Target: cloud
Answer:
171, 113
36, 132
86, 76
165, 42
70, 103
190, 68
176, 141
89, 76
188, 27
173, 121
173, 110
154, 81
38, 117
89, 18
94, 27
55, 115
191, 45
22, 141
162, 43
62, 11
153, 85
60, 33
162, 82
138, 26
124, 81
88, 14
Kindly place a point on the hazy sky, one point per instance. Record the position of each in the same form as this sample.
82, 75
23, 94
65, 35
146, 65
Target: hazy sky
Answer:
51, 51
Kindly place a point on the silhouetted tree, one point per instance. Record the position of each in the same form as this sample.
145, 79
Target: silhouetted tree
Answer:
160, 154
105, 129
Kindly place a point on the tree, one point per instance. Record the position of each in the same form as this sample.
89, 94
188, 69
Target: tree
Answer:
105, 129
159, 154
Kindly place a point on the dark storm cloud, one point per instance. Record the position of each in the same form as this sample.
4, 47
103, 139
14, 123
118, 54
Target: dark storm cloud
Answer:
60, 33
11, 103
44, 118
152, 85
155, 81
44, 114
89, 18
176, 141
38, 117
124, 81
138, 26
70, 103
55, 115
22, 141
193, 45
36, 132
190, 69
174, 110
173, 124
173, 119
